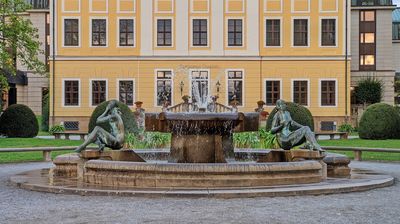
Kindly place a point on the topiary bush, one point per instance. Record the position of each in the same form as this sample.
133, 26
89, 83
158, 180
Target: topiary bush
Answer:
299, 113
379, 121
45, 113
127, 117
19, 121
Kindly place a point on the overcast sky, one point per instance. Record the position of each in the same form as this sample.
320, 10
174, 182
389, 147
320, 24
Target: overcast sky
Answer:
396, 2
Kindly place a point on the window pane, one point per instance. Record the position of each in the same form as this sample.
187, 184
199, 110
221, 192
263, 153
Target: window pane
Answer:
369, 16
164, 87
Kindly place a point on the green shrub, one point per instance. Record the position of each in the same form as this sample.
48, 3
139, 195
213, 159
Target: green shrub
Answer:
152, 140
346, 128
45, 113
57, 128
127, 117
298, 113
246, 140
19, 121
379, 121
268, 140
369, 90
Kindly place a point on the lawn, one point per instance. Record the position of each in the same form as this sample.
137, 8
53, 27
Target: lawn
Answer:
31, 142
373, 156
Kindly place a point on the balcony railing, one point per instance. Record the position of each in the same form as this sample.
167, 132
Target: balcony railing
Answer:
371, 2
39, 4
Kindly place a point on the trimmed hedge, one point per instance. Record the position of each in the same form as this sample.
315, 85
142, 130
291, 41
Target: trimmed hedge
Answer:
127, 117
379, 121
299, 113
19, 121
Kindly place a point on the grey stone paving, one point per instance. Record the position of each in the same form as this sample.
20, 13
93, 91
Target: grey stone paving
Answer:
20, 206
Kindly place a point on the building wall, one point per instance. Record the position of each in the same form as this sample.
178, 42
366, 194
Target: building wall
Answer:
396, 55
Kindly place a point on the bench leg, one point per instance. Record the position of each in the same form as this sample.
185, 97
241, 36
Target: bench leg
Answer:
344, 136
47, 156
57, 136
83, 137
332, 137
66, 136
357, 155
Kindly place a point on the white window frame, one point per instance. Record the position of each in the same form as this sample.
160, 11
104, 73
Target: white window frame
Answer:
208, 79
134, 89
79, 30
308, 31
265, 90
320, 31
65, 11
191, 31
134, 31
124, 12
91, 93
158, 11
266, 8
155, 85
308, 90
93, 11
227, 31
232, 12
265, 31
292, 7
172, 31
322, 11
91, 34
192, 8
63, 92
227, 83
320, 92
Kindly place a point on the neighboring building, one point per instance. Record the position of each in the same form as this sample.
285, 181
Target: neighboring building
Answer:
371, 44
396, 40
27, 87
248, 50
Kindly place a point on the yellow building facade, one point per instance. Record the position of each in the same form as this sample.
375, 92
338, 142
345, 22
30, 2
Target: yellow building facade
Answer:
159, 50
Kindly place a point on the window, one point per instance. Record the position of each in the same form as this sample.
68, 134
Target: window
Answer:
328, 32
164, 32
367, 59
235, 87
71, 93
367, 16
367, 38
126, 92
71, 32
200, 36
99, 92
300, 92
328, 93
164, 87
272, 91
200, 86
300, 32
235, 32
99, 32
396, 31
273, 32
126, 32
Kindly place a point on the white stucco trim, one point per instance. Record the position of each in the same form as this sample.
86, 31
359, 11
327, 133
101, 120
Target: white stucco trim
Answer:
320, 31
320, 92
63, 92
308, 31
308, 90
134, 32
91, 34
265, 31
155, 85
63, 31
90, 90
93, 11
265, 89
243, 85
119, 6
134, 90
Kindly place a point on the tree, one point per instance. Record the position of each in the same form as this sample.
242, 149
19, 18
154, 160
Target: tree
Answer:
19, 40
369, 91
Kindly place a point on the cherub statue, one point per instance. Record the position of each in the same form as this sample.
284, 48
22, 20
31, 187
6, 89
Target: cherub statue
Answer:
113, 140
287, 139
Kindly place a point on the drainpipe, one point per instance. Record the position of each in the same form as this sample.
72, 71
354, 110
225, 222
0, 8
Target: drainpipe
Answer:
346, 63
53, 62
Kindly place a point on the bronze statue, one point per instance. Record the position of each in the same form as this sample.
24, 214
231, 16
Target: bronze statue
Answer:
287, 139
113, 140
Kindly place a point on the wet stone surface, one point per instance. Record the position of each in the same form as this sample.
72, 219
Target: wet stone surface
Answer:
21, 206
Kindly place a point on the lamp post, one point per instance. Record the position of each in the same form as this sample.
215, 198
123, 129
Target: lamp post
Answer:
218, 85
181, 85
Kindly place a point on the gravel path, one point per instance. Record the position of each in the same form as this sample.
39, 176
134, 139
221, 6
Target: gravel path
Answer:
20, 206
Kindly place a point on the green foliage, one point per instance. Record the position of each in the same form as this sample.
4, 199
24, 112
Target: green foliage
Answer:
152, 140
379, 121
57, 128
299, 114
127, 117
346, 128
268, 140
19, 121
45, 113
369, 90
246, 140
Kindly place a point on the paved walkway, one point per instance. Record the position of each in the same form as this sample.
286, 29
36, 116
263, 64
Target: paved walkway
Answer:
20, 206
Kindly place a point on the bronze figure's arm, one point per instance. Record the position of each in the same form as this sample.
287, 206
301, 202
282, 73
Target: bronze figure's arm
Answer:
276, 126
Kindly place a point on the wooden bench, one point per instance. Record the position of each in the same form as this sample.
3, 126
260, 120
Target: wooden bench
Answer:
358, 150
342, 135
46, 150
57, 135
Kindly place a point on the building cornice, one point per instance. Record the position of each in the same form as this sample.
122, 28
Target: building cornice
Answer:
389, 7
